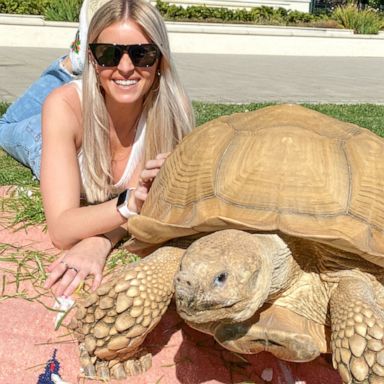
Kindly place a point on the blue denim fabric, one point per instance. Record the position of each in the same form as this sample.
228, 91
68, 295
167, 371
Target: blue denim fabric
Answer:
20, 126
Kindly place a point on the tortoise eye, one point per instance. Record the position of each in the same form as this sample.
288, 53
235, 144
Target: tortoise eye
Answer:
220, 279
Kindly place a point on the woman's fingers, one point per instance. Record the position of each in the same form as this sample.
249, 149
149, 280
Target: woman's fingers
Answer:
55, 274
96, 280
147, 175
163, 155
52, 266
65, 281
79, 278
141, 194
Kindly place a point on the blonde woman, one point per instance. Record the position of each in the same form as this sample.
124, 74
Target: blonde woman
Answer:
129, 110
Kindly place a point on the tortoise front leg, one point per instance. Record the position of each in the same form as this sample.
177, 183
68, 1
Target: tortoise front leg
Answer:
113, 322
357, 332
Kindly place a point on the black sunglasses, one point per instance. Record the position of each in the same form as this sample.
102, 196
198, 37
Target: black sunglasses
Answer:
109, 55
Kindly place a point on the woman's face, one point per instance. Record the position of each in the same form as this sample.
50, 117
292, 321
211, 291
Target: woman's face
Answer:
125, 83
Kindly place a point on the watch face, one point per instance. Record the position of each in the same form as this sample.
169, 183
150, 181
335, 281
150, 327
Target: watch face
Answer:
122, 197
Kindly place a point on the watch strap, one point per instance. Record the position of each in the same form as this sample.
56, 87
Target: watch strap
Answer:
122, 204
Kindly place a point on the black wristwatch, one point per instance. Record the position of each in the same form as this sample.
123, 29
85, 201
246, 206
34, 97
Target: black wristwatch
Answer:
122, 203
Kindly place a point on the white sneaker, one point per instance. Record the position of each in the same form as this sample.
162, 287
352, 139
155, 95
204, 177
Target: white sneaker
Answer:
78, 47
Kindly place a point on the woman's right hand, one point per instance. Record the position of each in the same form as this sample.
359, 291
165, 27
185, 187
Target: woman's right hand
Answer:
86, 258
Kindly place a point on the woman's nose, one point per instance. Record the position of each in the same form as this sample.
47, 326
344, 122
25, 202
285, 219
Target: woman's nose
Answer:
125, 64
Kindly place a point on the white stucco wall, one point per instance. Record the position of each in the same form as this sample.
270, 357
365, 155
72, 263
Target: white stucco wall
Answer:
18, 31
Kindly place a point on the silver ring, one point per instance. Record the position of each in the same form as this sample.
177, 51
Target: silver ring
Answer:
75, 269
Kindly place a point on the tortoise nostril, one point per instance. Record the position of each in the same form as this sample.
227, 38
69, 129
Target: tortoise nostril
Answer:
184, 279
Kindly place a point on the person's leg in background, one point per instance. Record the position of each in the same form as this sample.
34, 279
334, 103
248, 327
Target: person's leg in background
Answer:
20, 126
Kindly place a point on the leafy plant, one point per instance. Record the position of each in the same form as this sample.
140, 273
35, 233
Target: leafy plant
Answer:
366, 21
59, 10
3, 107
30, 7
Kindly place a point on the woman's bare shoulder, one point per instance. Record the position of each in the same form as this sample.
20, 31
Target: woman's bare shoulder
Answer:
65, 94
62, 107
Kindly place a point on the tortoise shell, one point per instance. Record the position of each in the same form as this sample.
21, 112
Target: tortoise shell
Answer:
283, 169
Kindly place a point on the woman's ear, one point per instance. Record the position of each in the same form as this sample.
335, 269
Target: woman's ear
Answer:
91, 59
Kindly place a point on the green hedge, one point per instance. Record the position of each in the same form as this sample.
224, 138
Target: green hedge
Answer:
55, 10
256, 15
27, 7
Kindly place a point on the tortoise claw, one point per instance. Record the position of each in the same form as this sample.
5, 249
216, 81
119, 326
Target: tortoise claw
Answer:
139, 364
118, 372
102, 370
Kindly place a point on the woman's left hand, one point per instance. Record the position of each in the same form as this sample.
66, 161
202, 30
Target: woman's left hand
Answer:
148, 174
85, 258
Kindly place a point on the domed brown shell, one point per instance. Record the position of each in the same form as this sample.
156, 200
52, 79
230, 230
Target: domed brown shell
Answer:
281, 168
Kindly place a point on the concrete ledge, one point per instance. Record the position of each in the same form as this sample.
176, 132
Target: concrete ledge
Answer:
27, 31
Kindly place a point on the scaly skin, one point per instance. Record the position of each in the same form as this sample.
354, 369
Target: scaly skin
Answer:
357, 331
113, 322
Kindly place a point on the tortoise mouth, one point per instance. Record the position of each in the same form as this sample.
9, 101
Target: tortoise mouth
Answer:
267, 343
209, 311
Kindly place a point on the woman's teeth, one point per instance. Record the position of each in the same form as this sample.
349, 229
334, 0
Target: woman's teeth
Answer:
125, 82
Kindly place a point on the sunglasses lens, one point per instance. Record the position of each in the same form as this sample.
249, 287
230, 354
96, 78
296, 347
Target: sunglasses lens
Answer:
143, 55
106, 55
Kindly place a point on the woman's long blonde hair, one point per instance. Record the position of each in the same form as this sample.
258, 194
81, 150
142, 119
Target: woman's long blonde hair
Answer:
167, 107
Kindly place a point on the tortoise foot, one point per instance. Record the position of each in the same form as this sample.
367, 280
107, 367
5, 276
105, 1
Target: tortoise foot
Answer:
138, 364
87, 366
114, 369
102, 370
358, 339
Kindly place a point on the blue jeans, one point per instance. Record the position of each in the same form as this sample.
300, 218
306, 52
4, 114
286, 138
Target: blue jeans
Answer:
20, 126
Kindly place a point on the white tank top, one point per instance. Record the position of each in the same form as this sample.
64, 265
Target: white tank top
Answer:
137, 151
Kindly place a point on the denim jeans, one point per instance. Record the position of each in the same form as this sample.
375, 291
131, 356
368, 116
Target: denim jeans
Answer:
20, 126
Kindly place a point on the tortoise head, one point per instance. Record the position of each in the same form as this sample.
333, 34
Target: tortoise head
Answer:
226, 275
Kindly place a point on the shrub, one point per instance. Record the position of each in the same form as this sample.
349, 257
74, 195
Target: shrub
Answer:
366, 21
26, 7
59, 10
257, 15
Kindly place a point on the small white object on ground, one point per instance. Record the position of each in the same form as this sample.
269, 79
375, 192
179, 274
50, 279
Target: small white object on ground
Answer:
63, 304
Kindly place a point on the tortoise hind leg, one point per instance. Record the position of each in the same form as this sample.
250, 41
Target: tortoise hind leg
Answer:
357, 332
277, 330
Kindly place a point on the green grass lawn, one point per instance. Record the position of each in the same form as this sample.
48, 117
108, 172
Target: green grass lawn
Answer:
29, 210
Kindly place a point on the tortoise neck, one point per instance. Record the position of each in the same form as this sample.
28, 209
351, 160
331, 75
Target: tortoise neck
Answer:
283, 267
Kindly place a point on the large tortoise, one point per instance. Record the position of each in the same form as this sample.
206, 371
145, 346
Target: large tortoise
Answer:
295, 201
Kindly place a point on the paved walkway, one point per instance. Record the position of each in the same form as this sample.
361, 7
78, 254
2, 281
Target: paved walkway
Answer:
234, 78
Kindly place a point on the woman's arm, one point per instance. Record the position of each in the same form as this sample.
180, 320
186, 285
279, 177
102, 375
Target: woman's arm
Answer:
68, 223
